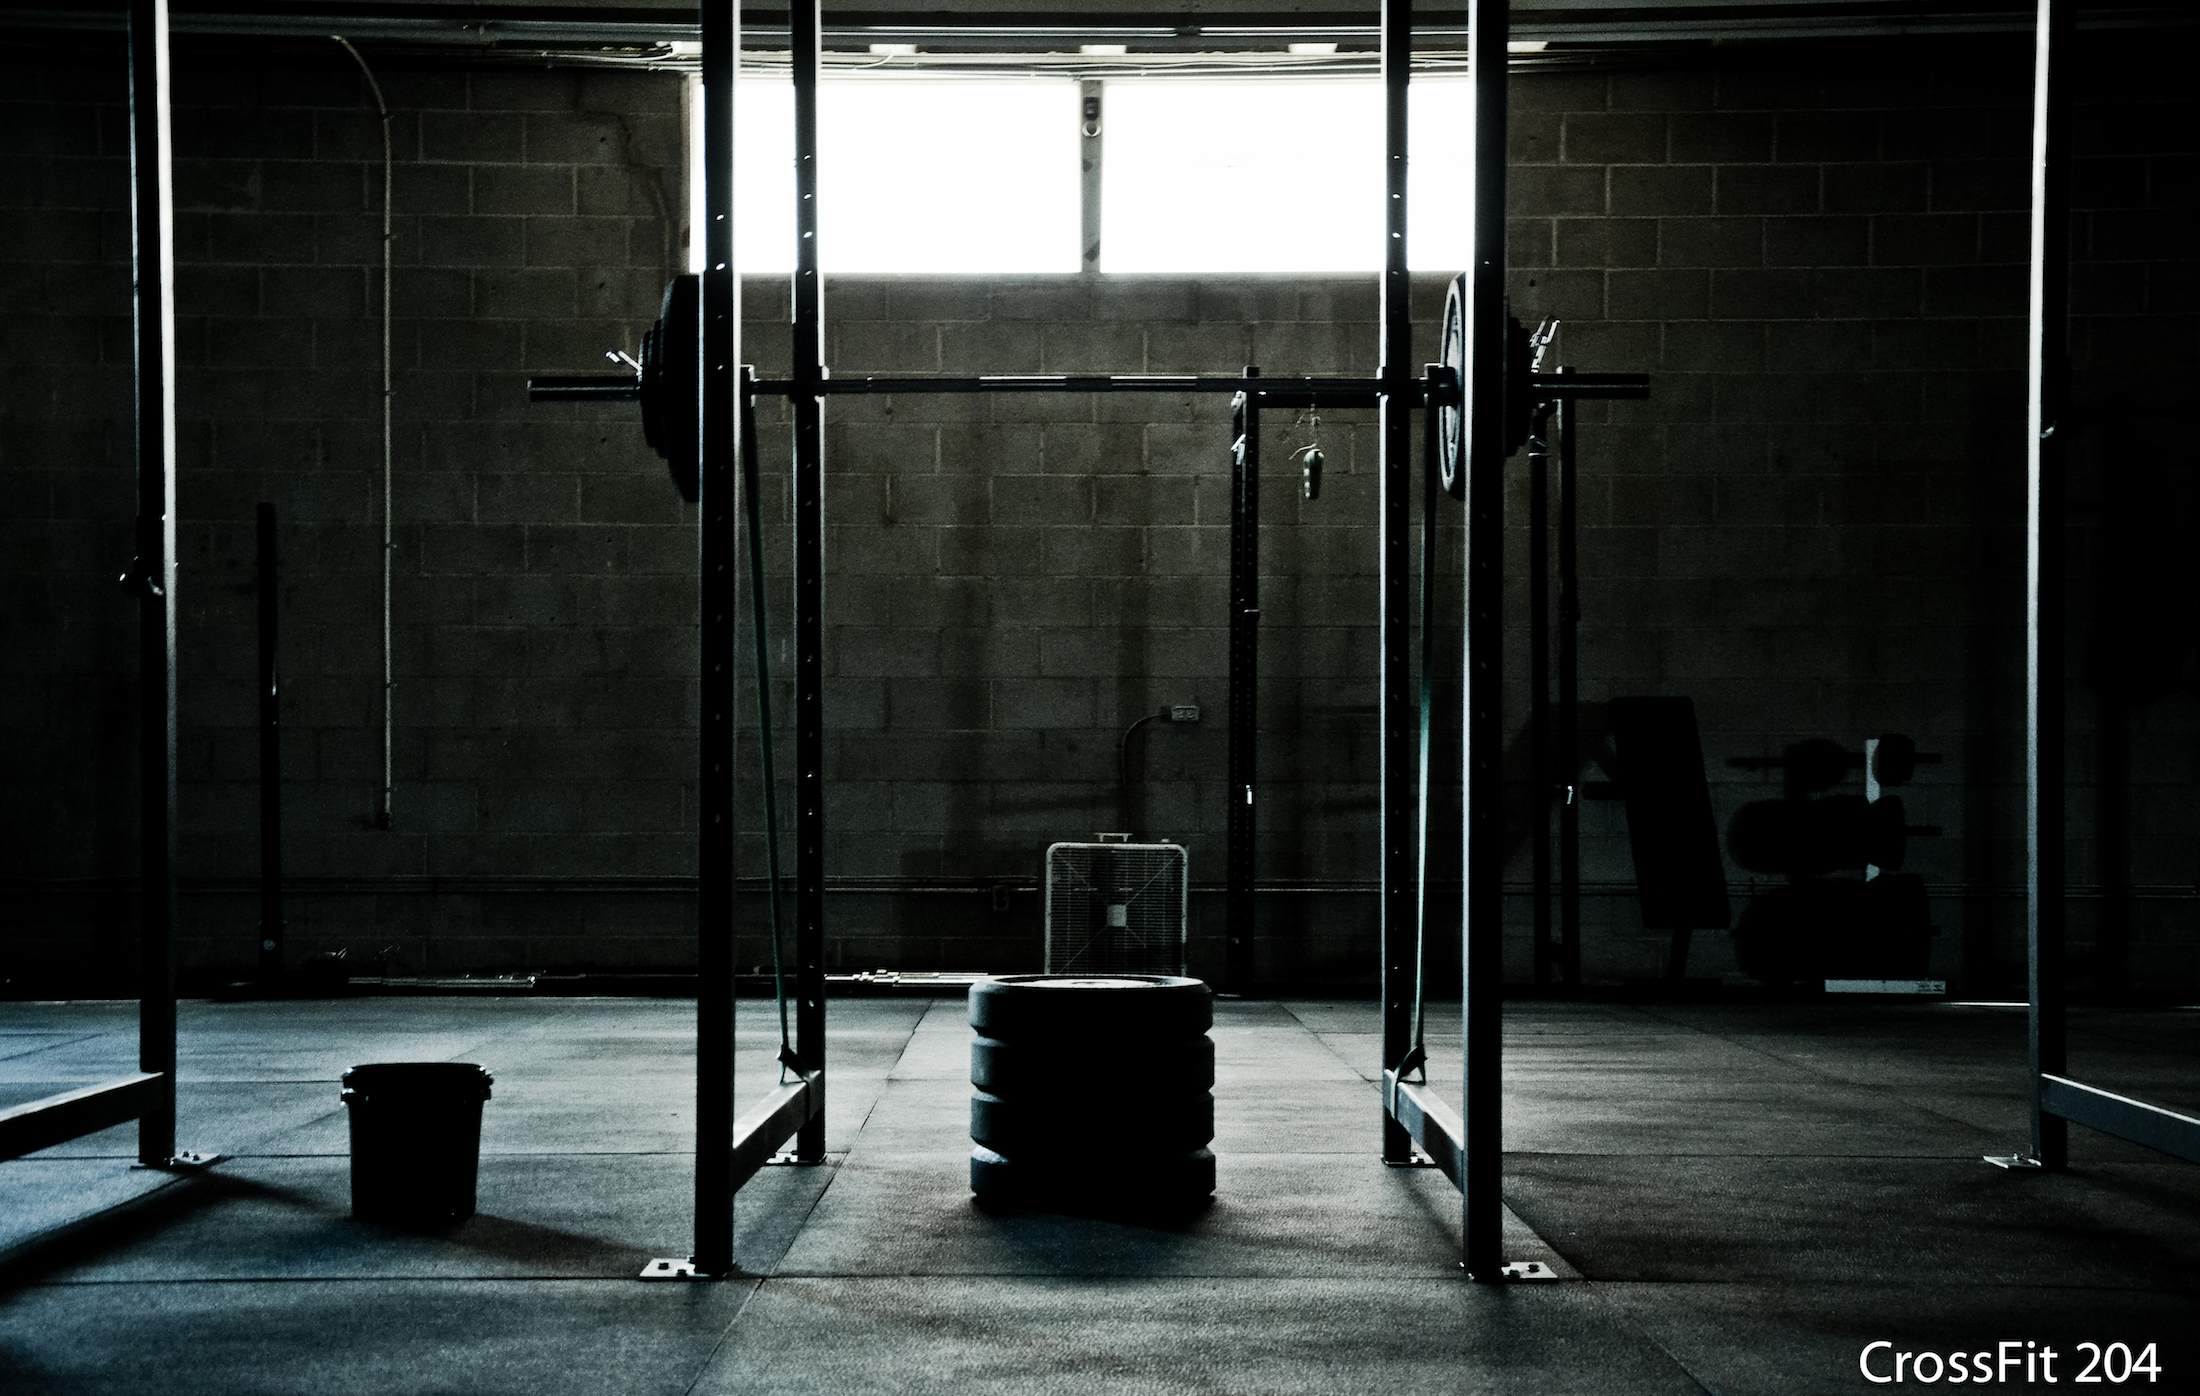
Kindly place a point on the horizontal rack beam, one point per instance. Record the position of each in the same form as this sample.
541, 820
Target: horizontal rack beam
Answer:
1272, 391
2134, 1120
773, 1121
1430, 1123
41, 1124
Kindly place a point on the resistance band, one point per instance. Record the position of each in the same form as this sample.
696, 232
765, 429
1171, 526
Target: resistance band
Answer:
1416, 1057
752, 521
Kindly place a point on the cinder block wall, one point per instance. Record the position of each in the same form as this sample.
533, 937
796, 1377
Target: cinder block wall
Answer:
1810, 527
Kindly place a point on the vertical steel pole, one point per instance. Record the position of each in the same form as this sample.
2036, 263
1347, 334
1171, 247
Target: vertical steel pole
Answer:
2045, 450
1092, 144
1482, 906
1399, 825
271, 754
1244, 680
1540, 766
152, 574
1569, 698
809, 574
718, 434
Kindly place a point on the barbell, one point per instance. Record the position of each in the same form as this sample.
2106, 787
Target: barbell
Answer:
665, 379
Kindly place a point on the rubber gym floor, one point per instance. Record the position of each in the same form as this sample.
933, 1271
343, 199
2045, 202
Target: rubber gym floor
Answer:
1736, 1198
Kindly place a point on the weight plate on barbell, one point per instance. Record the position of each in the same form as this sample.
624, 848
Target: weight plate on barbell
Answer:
1451, 415
670, 379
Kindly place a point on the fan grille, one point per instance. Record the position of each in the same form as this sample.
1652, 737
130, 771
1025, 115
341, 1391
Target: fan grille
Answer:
1115, 908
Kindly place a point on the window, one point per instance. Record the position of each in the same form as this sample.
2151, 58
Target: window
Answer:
1276, 175
1200, 175
915, 175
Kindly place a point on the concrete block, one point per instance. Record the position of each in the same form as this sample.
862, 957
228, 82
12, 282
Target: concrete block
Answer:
1145, 299
1802, 346
1767, 189
985, 551
1714, 345
1871, 293
1662, 190
1050, 299
1095, 551
1048, 601
1605, 242
988, 650
1533, 190
1532, 137
1658, 295
1093, 347
1559, 92
1615, 138
934, 704
1817, 241
1743, 293
1925, 239
1710, 242
1828, 136
1969, 291
939, 499
471, 137
1198, 348
1042, 499
1565, 295
314, 186
989, 347
577, 241
524, 294
1721, 136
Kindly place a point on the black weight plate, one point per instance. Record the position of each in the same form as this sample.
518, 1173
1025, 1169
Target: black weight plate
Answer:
670, 380
1519, 386
1094, 1067
1168, 1183
1089, 1010
1451, 416
1072, 1126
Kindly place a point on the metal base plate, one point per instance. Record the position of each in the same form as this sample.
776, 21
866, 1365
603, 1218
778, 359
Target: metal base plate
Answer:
2014, 1162
675, 1270
1526, 1270
1419, 1160
183, 1161
791, 1159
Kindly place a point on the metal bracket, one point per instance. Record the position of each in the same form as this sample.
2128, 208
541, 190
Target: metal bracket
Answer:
1419, 1160
2015, 1163
183, 1161
675, 1270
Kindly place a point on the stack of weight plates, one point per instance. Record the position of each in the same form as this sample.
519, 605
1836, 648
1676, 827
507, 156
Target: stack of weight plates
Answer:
1093, 1092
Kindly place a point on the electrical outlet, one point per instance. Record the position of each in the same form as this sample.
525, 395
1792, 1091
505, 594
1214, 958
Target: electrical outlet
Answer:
1184, 712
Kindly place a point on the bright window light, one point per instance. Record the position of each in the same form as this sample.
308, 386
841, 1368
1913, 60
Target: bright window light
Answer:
915, 175
1276, 175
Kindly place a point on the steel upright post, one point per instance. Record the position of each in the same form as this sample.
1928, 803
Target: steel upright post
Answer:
1569, 698
1541, 769
1399, 826
1244, 749
271, 750
809, 574
152, 572
719, 328
2045, 448
1482, 907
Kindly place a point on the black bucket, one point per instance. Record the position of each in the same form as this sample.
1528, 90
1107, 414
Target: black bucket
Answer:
415, 1140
